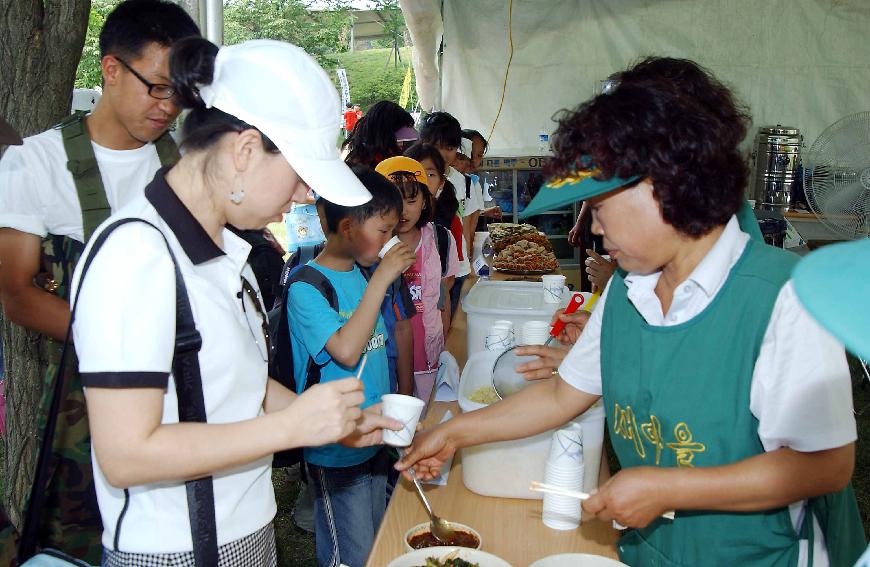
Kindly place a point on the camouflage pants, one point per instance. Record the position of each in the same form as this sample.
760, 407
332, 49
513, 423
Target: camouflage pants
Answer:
71, 518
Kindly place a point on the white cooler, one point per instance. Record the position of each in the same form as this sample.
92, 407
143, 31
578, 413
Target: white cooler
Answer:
505, 469
490, 301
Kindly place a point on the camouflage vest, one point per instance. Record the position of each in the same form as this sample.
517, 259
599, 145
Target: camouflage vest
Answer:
71, 518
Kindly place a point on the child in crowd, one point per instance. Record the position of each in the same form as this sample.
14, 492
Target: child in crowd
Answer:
477, 150
349, 484
445, 204
443, 131
426, 277
379, 135
384, 131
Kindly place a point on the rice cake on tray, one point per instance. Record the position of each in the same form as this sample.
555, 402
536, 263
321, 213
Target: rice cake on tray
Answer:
532, 255
500, 230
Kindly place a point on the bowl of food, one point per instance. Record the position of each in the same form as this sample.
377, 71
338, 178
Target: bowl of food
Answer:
448, 557
420, 537
577, 560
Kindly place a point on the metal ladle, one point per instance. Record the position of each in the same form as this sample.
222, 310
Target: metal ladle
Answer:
439, 527
505, 379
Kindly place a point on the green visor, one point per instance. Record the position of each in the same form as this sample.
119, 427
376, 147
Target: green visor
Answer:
578, 186
832, 285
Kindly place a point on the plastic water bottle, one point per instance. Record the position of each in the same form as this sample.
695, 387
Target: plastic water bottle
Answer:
543, 142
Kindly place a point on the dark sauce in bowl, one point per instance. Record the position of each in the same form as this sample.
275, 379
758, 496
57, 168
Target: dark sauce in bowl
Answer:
460, 538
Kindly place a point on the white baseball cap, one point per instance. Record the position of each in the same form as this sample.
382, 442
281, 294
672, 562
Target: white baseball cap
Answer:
283, 92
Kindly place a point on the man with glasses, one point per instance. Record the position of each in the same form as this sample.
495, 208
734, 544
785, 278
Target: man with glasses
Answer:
54, 191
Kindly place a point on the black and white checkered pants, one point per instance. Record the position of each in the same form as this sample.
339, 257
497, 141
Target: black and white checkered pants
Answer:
255, 550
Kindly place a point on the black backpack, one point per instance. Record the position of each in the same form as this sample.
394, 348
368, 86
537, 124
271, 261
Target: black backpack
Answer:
265, 261
442, 242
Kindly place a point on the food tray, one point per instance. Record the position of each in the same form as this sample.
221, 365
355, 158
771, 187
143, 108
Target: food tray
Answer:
524, 272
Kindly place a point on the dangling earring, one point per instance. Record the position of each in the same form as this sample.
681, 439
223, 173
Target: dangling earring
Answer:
239, 194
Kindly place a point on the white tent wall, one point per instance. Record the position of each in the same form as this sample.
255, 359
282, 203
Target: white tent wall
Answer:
802, 63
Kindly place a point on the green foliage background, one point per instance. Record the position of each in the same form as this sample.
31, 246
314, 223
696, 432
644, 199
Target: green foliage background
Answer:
88, 74
373, 77
320, 33
373, 74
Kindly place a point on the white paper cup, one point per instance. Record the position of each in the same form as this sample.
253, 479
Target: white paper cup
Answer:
390, 243
406, 409
498, 338
554, 286
566, 446
504, 323
508, 326
536, 332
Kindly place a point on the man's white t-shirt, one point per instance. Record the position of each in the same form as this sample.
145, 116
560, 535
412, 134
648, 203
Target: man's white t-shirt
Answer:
798, 359
37, 192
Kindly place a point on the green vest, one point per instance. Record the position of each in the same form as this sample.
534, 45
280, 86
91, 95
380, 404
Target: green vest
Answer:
71, 519
679, 397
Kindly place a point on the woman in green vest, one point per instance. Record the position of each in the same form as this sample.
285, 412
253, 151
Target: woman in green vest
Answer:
725, 400
843, 271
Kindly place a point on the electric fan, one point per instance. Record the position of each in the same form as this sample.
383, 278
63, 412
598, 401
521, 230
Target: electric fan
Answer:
837, 176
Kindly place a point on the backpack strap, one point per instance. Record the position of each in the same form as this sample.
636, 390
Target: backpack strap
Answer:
316, 279
82, 163
191, 407
467, 186
442, 242
167, 150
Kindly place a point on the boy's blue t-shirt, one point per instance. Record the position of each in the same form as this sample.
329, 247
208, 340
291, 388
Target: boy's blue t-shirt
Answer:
312, 321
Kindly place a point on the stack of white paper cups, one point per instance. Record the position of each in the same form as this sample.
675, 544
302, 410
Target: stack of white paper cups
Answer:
500, 336
564, 468
536, 332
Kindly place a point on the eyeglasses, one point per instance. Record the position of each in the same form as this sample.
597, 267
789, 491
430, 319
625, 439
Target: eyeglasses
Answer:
265, 345
155, 90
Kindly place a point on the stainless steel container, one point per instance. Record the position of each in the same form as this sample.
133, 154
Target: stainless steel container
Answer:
776, 157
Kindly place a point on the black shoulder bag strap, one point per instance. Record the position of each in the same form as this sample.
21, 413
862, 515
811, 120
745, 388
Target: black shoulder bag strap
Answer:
191, 407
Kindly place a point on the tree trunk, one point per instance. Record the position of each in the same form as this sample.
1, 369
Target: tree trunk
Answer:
25, 359
40, 46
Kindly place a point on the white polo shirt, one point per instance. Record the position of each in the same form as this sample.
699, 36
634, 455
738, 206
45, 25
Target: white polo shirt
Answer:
124, 335
798, 360
37, 192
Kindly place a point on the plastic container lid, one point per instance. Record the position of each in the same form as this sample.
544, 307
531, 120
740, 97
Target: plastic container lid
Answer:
496, 298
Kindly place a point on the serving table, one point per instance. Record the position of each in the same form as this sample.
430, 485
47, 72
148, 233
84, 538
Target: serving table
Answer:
510, 528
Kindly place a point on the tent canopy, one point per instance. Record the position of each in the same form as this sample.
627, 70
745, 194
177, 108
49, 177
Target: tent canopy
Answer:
801, 63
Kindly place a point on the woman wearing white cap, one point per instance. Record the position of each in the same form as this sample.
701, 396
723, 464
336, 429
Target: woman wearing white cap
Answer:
261, 130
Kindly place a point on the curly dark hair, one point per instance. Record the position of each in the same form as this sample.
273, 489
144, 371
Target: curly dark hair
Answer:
671, 121
374, 136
